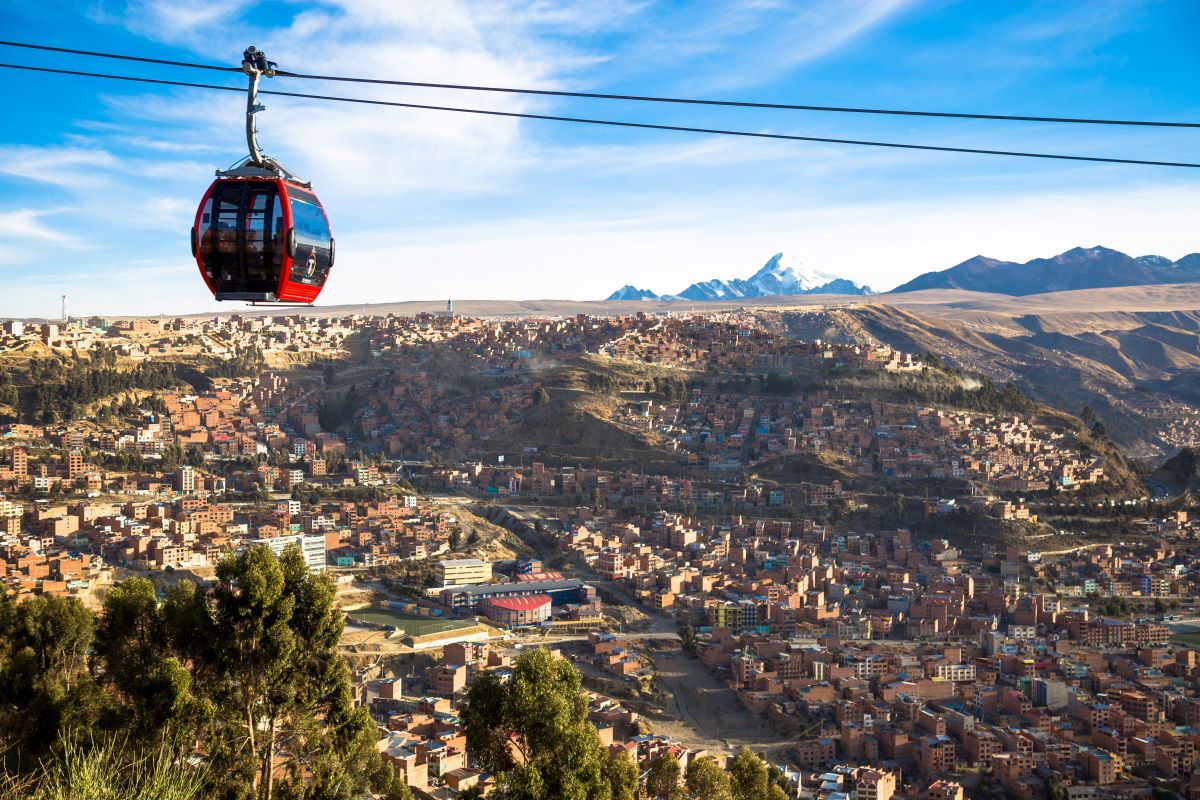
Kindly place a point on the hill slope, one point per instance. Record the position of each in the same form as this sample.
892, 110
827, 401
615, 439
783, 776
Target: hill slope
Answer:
1079, 268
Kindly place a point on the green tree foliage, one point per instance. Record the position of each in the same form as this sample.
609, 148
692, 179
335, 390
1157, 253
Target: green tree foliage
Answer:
541, 397
950, 389
171, 457
622, 776
687, 637
748, 777
774, 383
282, 692
673, 390
533, 734
663, 780
705, 779
61, 390
246, 362
778, 781
152, 686
45, 683
194, 456
249, 671
8, 390
602, 382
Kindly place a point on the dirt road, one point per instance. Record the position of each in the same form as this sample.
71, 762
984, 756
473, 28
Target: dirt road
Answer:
705, 712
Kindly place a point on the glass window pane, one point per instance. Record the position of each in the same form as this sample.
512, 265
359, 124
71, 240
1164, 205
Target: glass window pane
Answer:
226, 266
258, 269
311, 264
205, 240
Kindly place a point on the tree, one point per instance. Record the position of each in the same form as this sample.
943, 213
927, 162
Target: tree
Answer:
282, 691
533, 734
541, 397
663, 779
622, 776
748, 777
687, 637
705, 779
194, 456
44, 679
153, 686
249, 672
778, 781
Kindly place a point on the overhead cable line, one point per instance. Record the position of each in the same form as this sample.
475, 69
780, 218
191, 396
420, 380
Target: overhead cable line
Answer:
633, 97
96, 54
621, 123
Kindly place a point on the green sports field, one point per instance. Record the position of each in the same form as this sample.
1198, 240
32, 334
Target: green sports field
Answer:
1191, 640
410, 624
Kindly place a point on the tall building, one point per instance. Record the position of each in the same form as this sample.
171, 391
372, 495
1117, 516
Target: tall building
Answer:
1050, 694
185, 479
312, 548
20, 462
74, 464
461, 571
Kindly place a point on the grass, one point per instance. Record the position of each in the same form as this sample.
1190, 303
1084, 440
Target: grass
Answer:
1190, 640
410, 624
84, 768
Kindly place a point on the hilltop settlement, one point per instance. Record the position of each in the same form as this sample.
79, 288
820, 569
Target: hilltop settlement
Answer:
885, 575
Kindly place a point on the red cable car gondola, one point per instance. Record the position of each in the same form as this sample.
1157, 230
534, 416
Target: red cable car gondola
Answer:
261, 234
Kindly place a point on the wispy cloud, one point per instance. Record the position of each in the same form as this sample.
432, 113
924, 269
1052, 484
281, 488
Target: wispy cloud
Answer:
62, 166
427, 203
26, 223
725, 46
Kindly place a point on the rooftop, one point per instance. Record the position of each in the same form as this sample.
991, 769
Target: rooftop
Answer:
525, 603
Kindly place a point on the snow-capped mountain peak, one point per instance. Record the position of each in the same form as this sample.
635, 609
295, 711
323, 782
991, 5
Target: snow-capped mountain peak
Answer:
631, 292
782, 274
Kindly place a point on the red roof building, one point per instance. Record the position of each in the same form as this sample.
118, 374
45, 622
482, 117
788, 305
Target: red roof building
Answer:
524, 610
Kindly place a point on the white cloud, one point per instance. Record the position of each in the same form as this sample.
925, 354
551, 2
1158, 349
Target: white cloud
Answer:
61, 166
27, 223
744, 44
428, 204
354, 151
882, 244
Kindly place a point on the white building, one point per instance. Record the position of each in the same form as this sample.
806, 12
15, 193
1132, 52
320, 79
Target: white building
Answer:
955, 672
313, 548
460, 571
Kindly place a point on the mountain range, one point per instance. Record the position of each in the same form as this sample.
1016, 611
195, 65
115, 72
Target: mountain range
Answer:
781, 275
1079, 268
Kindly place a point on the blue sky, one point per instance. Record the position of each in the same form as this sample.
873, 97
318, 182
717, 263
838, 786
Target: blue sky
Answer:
99, 180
